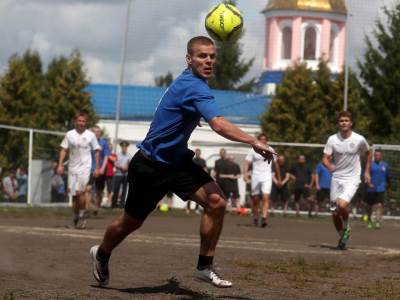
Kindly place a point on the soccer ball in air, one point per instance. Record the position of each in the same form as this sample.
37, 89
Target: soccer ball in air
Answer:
224, 22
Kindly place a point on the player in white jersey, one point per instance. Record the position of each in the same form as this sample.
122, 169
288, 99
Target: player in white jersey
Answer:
261, 181
79, 143
342, 157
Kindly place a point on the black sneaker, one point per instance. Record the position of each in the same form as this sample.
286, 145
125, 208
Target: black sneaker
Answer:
264, 223
255, 222
100, 269
342, 245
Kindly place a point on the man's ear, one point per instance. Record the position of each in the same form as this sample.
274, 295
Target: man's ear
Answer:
188, 59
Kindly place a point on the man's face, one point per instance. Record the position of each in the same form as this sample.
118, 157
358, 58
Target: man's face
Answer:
80, 123
124, 149
263, 139
301, 160
378, 156
345, 124
202, 60
97, 132
197, 153
281, 160
222, 153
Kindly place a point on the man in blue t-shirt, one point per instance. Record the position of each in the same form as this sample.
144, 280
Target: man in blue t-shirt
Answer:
380, 180
322, 179
164, 163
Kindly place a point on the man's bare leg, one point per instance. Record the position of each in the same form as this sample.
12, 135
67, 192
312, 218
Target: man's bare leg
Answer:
255, 205
265, 207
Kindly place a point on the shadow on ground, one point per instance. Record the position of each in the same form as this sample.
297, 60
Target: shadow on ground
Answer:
172, 287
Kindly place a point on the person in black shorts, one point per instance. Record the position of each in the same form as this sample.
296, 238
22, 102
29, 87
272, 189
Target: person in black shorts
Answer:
164, 163
302, 182
198, 160
280, 190
231, 173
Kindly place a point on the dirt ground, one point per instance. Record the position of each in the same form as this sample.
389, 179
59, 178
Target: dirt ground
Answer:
293, 258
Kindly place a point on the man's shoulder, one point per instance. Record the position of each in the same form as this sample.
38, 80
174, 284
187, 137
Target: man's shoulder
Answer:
189, 80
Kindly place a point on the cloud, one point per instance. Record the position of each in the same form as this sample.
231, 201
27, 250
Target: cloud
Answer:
158, 32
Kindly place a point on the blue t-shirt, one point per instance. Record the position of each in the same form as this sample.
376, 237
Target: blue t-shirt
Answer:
324, 176
104, 151
379, 176
184, 103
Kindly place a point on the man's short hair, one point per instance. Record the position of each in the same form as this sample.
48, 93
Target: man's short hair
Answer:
260, 135
81, 114
202, 40
344, 114
124, 143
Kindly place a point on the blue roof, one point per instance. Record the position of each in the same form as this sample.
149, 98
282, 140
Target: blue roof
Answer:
270, 77
138, 103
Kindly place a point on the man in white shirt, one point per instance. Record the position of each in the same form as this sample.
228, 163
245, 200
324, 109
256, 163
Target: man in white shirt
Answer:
79, 143
342, 157
261, 181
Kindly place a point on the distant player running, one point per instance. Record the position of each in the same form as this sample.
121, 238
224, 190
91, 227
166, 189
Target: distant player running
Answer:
79, 143
342, 157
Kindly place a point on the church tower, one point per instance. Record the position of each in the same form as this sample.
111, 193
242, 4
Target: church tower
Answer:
302, 30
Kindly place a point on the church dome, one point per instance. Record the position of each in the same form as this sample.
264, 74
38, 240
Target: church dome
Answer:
327, 6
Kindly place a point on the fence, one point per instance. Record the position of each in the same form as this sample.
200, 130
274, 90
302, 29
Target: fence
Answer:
37, 152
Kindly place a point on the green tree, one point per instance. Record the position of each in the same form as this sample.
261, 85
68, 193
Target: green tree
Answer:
230, 69
21, 104
306, 104
380, 72
165, 80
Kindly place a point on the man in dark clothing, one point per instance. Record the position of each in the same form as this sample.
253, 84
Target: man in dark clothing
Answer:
221, 166
230, 174
202, 163
280, 189
302, 181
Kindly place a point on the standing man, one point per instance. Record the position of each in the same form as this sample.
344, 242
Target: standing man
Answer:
380, 181
323, 179
342, 157
280, 188
79, 144
164, 163
231, 173
220, 167
198, 160
261, 181
10, 186
100, 178
302, 183
121, 175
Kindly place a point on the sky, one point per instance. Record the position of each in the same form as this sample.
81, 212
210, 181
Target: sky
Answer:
158, 32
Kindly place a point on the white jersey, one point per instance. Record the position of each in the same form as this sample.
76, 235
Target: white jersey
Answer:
80, 148
346, 155
262, 169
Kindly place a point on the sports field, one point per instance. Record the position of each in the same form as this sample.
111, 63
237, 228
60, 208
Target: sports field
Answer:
293, 258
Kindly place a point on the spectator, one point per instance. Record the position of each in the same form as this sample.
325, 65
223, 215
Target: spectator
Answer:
57, 186
230, 174
302, 183
202, 163
22, 179
121, 175
380, 181
280, 190
322, 178
221, 167
10, 186
100, 179
110, 173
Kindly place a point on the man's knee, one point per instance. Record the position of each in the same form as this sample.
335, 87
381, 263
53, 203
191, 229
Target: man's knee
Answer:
129, 223
216, 202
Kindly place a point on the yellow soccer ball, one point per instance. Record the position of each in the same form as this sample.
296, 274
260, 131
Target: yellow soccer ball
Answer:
224, 22
164, 207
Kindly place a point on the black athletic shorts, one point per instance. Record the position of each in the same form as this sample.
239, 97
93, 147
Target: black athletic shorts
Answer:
373, 198
323, 194
279, 194
305, 192
150, 180
230, 189
100, 182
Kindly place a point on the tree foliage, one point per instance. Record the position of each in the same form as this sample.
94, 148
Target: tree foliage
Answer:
165, 80
306, 104
32, 98
380, 72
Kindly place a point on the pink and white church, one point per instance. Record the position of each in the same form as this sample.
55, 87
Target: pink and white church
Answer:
302, 30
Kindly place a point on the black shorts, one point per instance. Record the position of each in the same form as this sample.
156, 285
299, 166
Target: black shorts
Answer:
279, 194
230, 189
100, 183
110, 184
373, 198
323, 194
301, 192
150, 180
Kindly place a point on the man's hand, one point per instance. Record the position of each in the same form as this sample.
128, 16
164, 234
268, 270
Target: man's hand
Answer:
246, 178
264, 150
367, 178
60, 169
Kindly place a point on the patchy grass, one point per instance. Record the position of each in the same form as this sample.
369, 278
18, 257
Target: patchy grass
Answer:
385, 288
392, 258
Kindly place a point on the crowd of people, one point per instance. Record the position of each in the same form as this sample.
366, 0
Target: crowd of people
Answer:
14, 185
